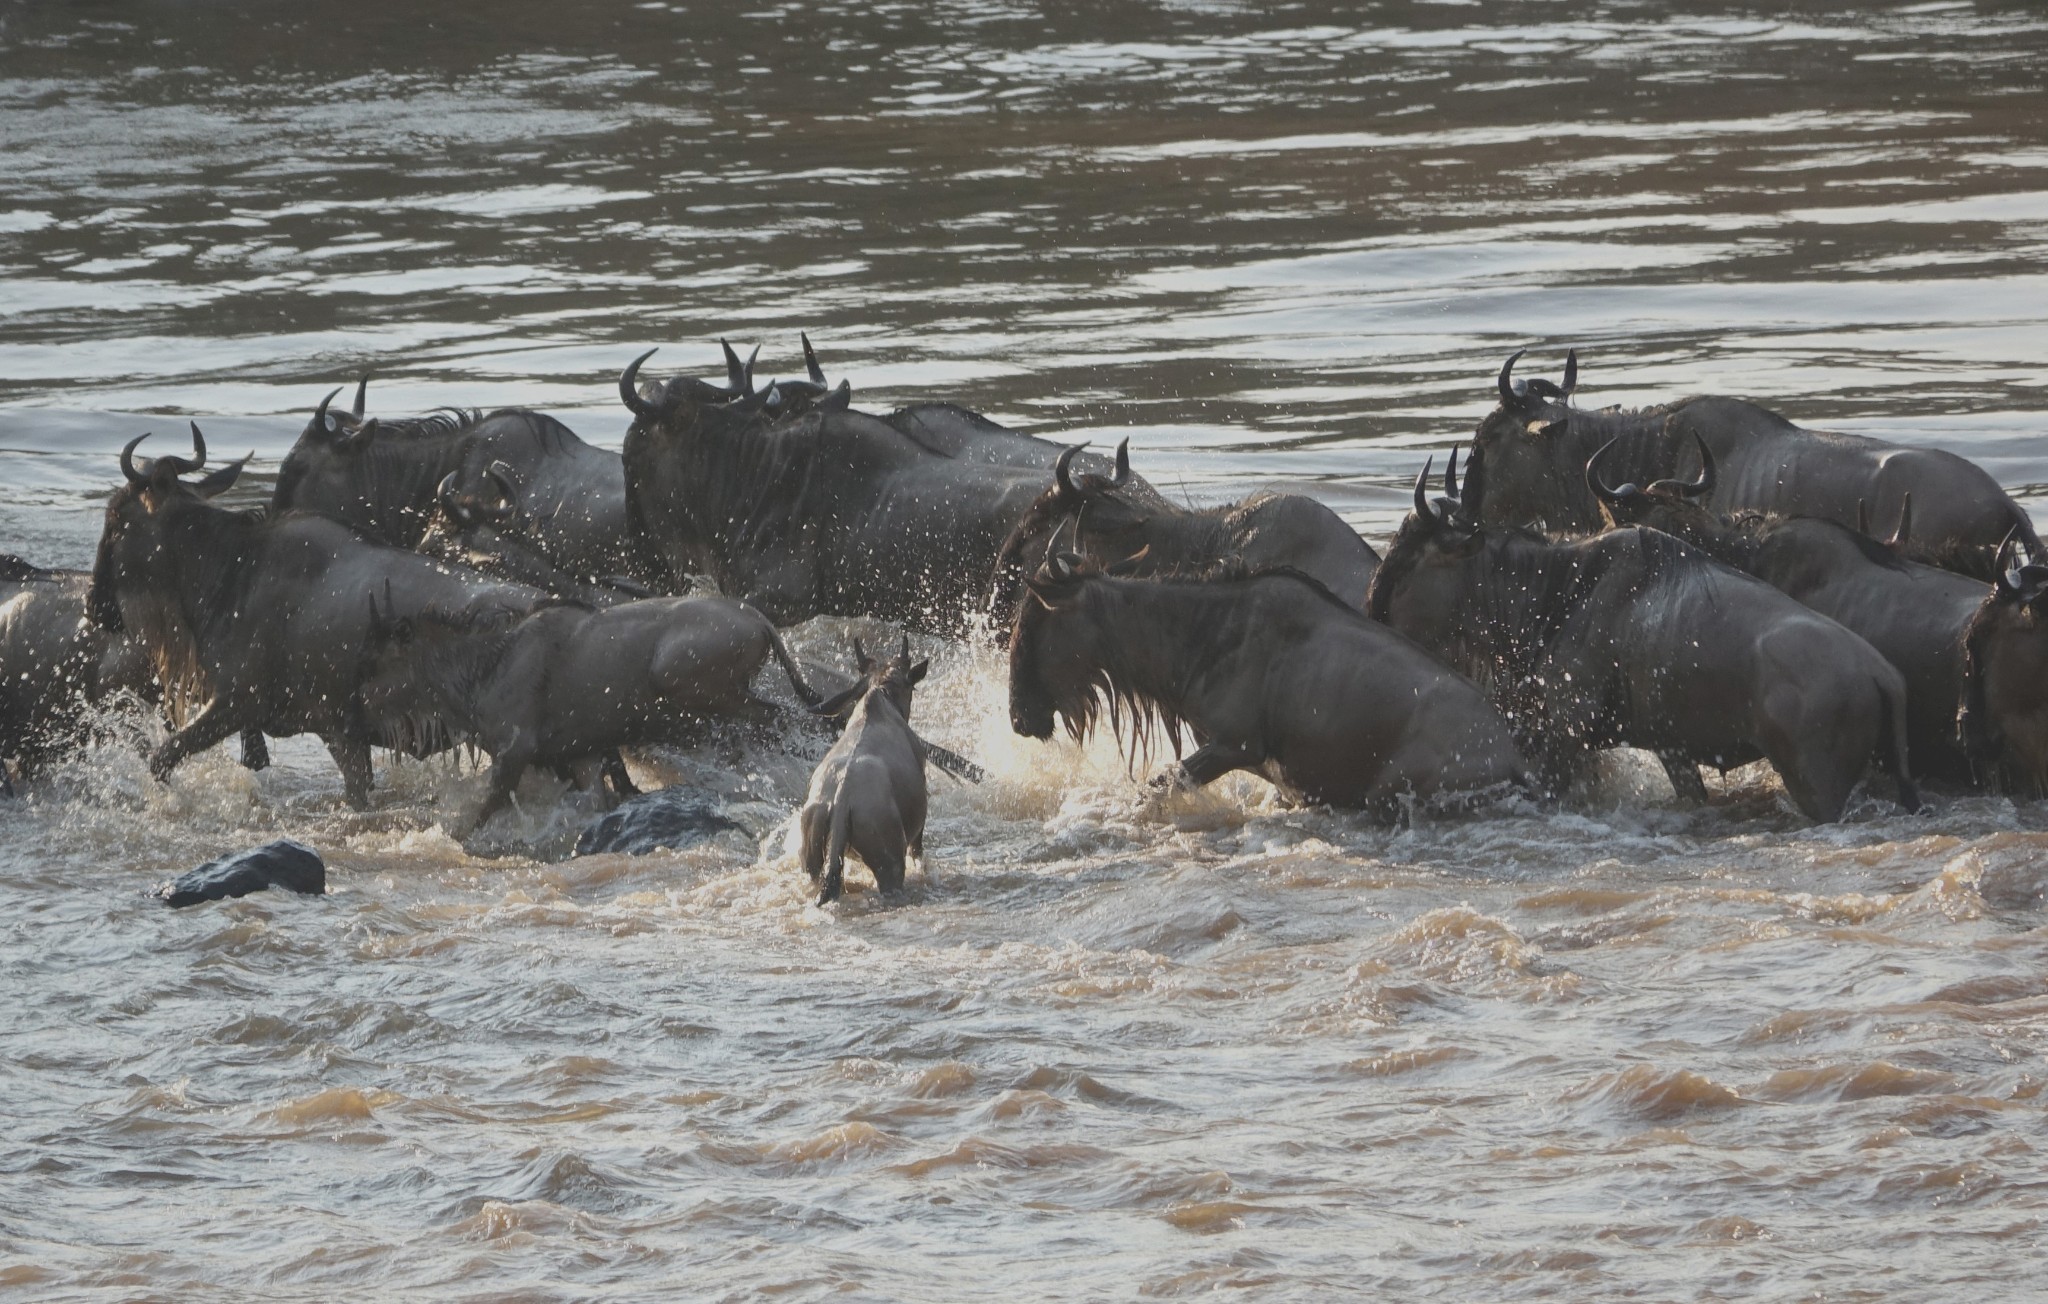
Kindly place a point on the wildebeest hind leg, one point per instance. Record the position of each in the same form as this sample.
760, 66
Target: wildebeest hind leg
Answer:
255, 751
1685, 778
615, 773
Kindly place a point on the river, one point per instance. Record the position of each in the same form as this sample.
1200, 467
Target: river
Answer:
1104, 1047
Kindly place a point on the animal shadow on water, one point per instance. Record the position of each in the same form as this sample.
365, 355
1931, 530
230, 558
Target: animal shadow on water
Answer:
868, 795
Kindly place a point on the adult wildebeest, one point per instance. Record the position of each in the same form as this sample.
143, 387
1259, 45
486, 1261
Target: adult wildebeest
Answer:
568, 685
1914, 615
385, 478
1105, 522
868, 795
1268, 672
829, 512
477, 527
1537, 446
55, 665
259, 621
1636, 639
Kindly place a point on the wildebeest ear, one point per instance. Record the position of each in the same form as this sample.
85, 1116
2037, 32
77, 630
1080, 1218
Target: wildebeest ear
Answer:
220, 481
918, 671
1550, 429
1051, 591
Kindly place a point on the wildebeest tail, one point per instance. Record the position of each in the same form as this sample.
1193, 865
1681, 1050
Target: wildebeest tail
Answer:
810, 695
1892, 726
835, 850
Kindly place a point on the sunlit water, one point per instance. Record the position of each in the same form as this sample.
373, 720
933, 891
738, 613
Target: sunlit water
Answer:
1103, 1047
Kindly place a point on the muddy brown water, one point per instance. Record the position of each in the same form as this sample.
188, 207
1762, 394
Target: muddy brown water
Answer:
1103, 1048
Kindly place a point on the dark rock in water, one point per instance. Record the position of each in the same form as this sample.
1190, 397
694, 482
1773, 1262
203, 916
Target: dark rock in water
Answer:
283, 863
666, 820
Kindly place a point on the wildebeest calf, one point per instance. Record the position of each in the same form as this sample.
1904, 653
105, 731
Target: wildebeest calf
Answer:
868, 794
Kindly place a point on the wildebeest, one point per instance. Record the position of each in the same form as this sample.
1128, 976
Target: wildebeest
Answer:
1536, 447
1268, 672
55, 664
2004, 720
1636, 639
1105, 522
385, 478
258, 621
868, 795
568, 685
476, 526
1915, 615
832, 511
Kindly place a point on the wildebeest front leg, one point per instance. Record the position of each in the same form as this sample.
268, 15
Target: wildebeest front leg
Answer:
1205, 765
211, 727
255, 751
352, 758
1685, 778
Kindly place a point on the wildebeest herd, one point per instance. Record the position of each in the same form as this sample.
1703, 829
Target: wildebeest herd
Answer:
1700, 579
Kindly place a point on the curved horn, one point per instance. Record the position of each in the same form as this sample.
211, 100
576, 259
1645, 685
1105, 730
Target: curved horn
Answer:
320, 417
816, 372
2008, 575
1123, 464
735, 375
135, 477
198, 447
748, 375
508, 497
1704, 485
1863, 516
1898, 539
1508, 397
362, 394
1061, 476
860, 656
838, 400
1594, 482
629, 390
1451, 475
906, 649
445, 493
1422, 491
1571, 372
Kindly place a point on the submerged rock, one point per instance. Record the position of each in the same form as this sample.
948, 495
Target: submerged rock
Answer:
669, 819
284, 863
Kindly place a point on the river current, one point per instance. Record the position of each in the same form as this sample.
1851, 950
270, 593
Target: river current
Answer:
1104, 1046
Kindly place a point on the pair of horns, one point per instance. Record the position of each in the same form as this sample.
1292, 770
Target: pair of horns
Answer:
176, 466
1450, 504
1516, 394
1063, 476
508, 497
325, 422
1698, 488
866, 663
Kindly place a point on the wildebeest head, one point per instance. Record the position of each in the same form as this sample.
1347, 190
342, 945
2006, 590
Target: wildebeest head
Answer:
2004, 718
329, 436
1061, 651
1435, 539
894, 677
468, 508
1517, 438
1672, 506
1100, 505
138, 538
